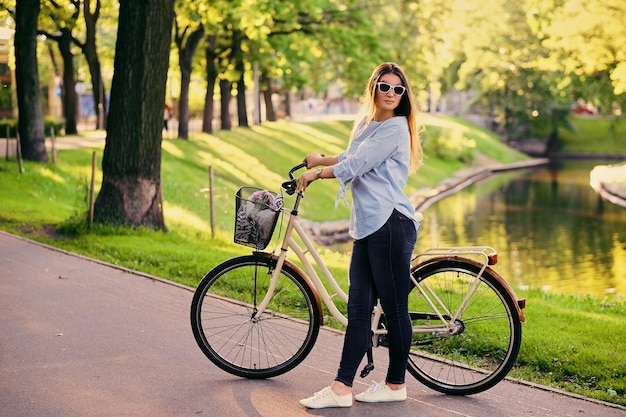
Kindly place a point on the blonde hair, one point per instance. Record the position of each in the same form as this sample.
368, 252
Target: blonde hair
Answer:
407, 108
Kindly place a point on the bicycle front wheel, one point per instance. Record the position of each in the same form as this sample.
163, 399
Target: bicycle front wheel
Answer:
480, 347
231, 333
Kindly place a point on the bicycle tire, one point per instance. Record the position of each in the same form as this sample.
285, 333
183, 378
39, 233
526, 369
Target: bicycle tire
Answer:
230, 334
488, 338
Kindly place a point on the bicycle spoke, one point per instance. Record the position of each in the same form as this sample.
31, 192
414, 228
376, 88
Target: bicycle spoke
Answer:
239, 339
483, 339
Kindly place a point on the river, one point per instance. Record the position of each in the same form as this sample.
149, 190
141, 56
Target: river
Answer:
550, 228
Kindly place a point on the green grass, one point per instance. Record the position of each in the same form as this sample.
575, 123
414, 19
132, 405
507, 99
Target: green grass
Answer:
576, 344
569, 342
595, 134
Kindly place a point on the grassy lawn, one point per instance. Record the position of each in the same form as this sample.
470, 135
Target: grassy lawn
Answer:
595, 134
573, 343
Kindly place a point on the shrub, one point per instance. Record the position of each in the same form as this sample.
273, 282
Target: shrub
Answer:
8, 126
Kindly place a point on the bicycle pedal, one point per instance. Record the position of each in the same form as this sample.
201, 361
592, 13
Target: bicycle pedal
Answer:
367, 369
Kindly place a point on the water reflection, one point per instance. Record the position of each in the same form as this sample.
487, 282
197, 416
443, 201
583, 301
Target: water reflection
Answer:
550, 228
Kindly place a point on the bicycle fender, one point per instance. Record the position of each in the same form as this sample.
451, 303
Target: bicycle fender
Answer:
302, 275
519, 304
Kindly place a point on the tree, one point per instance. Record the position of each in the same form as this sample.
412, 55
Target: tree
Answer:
63, 19
285, 42
211, 77
90, 51
586, 40
187, 45
225, 94
239, 64
31, 128
131, 192
59, 23
312, 44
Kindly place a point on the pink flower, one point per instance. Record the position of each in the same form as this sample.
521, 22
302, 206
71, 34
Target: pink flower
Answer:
266, 198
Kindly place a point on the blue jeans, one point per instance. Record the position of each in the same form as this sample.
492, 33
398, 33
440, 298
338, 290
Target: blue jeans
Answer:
380, 269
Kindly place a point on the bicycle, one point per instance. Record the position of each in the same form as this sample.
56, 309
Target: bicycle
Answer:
259, 315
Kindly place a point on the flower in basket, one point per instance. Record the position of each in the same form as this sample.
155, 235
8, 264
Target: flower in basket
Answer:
264, 199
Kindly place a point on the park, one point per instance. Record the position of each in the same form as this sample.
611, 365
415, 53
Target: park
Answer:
480, 104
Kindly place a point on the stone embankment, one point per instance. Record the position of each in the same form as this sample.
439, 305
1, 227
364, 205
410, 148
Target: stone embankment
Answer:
328, 233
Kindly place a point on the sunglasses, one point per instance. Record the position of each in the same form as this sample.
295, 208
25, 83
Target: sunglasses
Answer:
384, 88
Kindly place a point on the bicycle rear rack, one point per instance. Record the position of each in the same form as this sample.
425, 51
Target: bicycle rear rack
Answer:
487, 253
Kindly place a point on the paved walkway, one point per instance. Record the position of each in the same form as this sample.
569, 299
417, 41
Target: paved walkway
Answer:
80, 338
89, 139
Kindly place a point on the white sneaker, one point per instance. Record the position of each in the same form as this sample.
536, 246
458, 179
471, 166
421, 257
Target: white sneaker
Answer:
327, 398
381, 393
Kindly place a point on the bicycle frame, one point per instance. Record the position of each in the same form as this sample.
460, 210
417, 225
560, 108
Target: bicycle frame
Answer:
311, 275
447, 328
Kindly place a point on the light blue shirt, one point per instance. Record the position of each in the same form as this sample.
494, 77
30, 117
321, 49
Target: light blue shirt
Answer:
376, 165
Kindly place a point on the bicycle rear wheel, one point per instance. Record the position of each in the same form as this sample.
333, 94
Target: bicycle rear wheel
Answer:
484, 344
235, 337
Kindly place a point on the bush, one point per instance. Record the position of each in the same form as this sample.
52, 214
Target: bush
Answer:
10, 126
449, 144
53, 122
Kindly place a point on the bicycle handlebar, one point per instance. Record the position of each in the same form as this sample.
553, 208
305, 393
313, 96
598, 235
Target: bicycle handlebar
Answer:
290, 186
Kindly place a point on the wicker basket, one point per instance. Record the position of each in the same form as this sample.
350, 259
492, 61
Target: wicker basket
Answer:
257, 212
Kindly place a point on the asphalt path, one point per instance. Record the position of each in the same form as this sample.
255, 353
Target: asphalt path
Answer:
79, 337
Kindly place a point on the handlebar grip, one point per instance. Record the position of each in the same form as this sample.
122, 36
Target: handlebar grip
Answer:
289, 187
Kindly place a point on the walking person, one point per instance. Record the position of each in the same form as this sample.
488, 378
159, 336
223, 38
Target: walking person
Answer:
167, 114
384, 148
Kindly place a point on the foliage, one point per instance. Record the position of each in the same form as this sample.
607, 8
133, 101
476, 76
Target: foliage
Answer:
8, 127
521, 61
465, 141
49, 122
586, 38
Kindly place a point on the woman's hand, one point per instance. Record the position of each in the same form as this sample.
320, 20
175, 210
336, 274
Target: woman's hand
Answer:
304, 180
313, 159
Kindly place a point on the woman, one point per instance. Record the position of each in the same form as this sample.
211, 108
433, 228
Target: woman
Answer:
384, 148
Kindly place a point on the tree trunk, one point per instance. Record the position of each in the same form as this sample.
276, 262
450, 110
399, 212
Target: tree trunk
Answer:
225, 87
64, 39
183, 103
242, 111
270, 113
186, 50
31, 128
287, 103
506, 126
131, 191
70, 97
553, 144
211, 78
